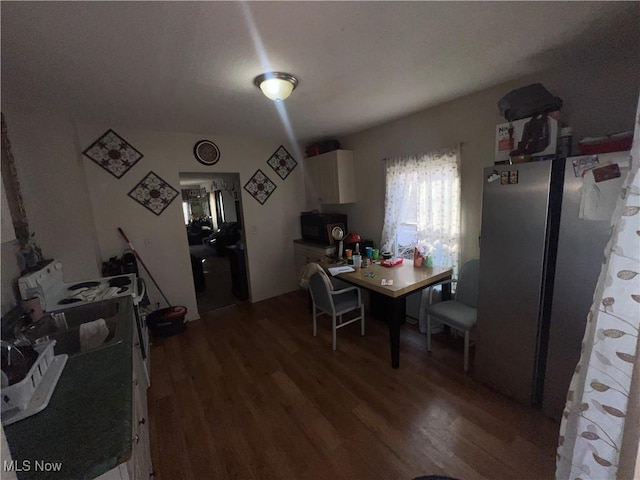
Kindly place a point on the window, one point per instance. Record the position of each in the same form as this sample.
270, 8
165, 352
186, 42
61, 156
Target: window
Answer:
186, 211
422, 206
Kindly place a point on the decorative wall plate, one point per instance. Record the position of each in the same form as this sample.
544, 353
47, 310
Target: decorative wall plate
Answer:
282, 162
153, 193
113, 153
260, 187
206, 152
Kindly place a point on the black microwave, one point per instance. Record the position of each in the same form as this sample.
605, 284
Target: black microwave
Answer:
317, 227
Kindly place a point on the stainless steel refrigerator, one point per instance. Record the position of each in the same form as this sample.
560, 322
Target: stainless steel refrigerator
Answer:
539, 263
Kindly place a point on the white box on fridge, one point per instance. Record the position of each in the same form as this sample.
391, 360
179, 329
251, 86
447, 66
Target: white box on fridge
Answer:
536, 136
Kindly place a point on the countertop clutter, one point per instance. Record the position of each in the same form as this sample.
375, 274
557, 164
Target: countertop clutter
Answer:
86, 430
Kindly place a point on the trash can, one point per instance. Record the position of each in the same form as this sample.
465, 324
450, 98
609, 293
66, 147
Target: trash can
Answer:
167, 321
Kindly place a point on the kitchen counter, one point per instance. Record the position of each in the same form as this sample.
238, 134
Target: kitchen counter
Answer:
86, 429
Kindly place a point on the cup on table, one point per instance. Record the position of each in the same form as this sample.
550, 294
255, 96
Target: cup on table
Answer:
368, 252
375, 254
357, 262
348, 252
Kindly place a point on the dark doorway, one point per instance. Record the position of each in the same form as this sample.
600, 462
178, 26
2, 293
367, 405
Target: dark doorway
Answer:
213, 220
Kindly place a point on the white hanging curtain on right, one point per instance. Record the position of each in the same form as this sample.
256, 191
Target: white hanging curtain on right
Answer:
599, 431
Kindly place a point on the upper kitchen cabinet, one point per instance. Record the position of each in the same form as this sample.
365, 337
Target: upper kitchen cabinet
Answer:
330, 178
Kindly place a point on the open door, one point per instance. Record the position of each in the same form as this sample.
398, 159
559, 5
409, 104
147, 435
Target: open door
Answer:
217, 252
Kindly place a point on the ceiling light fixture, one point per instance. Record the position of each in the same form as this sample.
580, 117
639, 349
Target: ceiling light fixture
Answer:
276, 85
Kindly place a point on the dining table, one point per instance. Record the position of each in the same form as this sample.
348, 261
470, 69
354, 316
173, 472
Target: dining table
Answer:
389, 287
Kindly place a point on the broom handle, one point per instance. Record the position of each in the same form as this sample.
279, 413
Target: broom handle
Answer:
143, 265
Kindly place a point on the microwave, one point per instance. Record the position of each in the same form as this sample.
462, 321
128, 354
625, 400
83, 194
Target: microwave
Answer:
316, 227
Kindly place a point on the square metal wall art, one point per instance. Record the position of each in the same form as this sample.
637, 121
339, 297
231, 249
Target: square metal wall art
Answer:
260, 187
113, 153
282, 162
153, 193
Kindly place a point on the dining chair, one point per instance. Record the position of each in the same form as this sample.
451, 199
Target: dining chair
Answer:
334, 302
460, 312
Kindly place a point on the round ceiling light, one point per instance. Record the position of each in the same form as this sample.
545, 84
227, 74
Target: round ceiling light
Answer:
276, 85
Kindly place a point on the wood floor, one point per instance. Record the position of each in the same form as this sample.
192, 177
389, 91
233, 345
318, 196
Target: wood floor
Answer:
248, 393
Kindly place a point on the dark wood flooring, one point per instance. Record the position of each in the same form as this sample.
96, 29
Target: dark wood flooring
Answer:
247, 392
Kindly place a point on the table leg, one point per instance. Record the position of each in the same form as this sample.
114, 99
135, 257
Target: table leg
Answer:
393, 312
445, 294
446, 291
397, 317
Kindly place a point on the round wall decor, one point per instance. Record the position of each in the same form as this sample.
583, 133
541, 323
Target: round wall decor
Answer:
206, 152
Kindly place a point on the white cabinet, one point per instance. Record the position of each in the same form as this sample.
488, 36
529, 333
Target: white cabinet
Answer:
309, 253
140, 463
138, 467
330, 178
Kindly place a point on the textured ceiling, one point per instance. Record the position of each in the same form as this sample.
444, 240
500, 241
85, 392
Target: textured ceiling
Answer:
189, 66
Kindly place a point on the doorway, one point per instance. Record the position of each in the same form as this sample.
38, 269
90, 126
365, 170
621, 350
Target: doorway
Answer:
213, 219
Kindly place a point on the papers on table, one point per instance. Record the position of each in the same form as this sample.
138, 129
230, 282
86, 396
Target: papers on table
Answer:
338, 270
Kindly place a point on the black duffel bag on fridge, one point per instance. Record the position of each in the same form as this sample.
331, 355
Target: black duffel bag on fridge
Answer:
528, 101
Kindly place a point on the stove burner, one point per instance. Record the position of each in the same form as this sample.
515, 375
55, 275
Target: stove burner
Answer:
78, 286
119, 282
67, 301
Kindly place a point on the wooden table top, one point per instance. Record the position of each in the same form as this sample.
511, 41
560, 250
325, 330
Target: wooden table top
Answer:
406, 278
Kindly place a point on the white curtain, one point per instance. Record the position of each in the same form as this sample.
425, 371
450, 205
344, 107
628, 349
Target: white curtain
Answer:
599, 430
425, 190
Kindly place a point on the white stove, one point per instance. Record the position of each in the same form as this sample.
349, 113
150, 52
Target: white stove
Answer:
48, 285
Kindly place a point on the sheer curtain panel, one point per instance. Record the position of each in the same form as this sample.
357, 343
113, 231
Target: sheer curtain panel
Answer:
422, 205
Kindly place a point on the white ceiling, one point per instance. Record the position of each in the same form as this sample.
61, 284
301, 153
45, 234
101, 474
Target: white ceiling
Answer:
189, 66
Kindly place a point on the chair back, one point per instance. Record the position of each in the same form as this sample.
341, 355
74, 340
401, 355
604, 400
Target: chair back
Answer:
468, 280
319, 286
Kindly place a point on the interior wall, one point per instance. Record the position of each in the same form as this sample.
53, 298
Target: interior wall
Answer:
599, 98
9, 270
9, 274
54, 191
161, 240
75, 207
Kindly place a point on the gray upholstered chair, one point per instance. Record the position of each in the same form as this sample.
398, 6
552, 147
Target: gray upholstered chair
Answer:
334, 302
460, 312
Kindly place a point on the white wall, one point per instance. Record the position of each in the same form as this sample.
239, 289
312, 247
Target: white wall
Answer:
161, 240
9, 273
54, 189
596, 102
7, 233
75, 207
